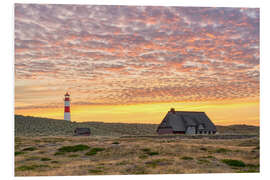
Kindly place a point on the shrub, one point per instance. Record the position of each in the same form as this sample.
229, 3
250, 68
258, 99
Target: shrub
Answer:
32, 167
209, 157
232, 162
59, 153
18, 153
115, 142
54, 162
143, 156
146, 150
201, 161
98, 149
91, 153
187, 158
152, 153
30, 149
45, 159
222, 150
75, 148
149, 152
94, 151
95, 171
253, 165
122, 163
32, 158
203, 149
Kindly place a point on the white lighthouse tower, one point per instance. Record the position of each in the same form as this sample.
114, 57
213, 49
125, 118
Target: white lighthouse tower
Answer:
67, 107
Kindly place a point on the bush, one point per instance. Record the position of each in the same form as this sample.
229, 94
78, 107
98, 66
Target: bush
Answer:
210, 157
201, 161
32, 167
149, 152
187, 158
45, 159
253, 165
143, 156
152, 153
75, 148
30, 149
146, 150
203, 149
95, 171
98, 149
115, 142
222, 150
59, 153
232, 162
18, 153
94, 151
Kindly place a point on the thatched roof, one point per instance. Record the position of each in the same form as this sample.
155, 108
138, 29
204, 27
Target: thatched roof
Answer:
180, 120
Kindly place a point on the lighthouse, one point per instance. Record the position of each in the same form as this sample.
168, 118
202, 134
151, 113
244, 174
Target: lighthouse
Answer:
67, 107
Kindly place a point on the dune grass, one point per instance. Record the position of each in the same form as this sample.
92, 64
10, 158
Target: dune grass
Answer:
99, 156
79, 147
233, 162
94, 151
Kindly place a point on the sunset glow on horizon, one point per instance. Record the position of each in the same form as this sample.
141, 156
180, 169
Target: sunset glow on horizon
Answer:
131, 64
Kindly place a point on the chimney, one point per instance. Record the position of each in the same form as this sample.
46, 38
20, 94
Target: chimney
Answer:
172, 110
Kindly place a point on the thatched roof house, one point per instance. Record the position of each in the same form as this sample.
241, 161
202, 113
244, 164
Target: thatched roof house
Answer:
186, 122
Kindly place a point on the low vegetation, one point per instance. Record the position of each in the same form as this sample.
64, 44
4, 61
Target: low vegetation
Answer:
94, 151
29, 149
47, 148
35, 126
99, 155
222, 150
19, 153
149, 152
75, 148
45, 159
94, 171
232, 162
187, 158
157, 162
31, 167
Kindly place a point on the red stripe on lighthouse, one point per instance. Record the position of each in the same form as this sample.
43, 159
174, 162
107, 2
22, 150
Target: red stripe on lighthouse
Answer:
67, 109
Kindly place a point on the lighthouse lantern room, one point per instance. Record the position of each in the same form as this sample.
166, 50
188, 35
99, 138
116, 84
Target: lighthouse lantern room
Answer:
67, 107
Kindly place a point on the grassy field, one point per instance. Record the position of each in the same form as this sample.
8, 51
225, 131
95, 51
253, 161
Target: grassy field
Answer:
45, 147
34, 126
63, 155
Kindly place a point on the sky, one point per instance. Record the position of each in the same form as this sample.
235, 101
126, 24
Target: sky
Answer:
133, 63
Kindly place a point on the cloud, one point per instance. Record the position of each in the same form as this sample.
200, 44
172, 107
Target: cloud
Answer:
135, 54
